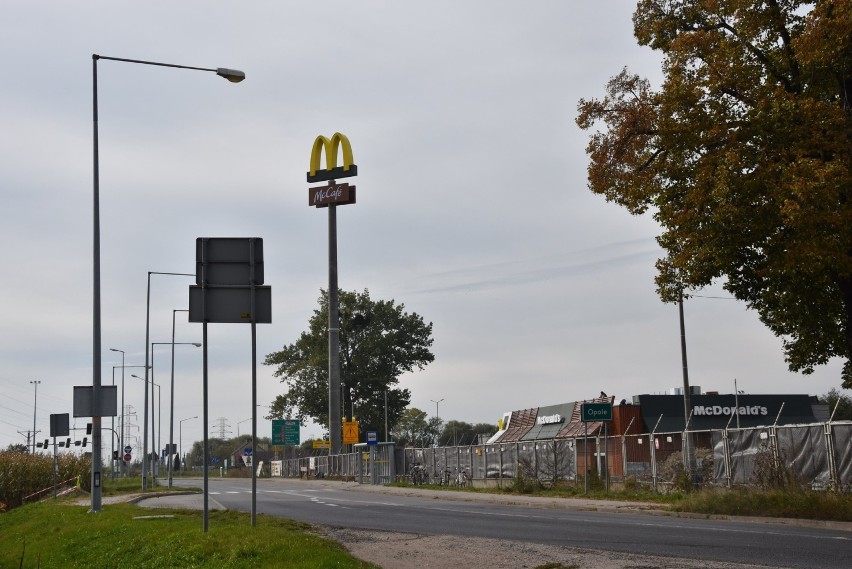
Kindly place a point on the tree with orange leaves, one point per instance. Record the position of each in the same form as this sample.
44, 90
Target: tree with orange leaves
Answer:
744, 158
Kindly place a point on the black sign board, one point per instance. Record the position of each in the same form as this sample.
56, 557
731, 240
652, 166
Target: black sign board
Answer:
59, 425
228, 275
719, 411
86, 404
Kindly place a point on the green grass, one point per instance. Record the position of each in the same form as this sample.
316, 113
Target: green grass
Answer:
803, 504
56, 534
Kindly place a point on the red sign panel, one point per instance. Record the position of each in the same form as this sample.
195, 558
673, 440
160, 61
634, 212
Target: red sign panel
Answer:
337, 194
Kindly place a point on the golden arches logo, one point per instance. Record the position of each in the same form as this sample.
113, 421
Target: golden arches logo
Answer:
332, 170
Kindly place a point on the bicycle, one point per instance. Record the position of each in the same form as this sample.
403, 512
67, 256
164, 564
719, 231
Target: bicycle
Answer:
418, 474
461, 478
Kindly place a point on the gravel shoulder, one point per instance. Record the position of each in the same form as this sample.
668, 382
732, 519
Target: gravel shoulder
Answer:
391, 550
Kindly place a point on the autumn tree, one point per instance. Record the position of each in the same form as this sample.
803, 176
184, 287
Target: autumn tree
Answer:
744, 157
457, 433
379, 342
415, 428
839, 405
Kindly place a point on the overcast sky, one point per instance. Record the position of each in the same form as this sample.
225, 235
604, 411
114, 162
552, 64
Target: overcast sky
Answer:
473, 209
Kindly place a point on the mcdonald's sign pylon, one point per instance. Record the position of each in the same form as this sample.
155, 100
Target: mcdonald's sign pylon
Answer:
330, 196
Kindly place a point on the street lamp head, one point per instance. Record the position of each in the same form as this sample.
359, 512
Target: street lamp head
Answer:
232, 75
114, 350
196, 344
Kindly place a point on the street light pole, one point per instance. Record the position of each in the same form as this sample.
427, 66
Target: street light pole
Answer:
145, 409
121, 426
156, 442
180, 440
121, 418
438, 415
172, 397
35, 383
157, 385
231, 75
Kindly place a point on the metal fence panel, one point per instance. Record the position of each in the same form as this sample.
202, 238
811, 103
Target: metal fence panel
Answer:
803, 452
843, 452
819, 455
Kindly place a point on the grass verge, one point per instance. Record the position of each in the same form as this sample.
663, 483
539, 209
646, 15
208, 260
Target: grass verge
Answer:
56, 535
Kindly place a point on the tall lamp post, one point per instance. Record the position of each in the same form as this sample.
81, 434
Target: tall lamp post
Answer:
121, 418
231, 75
159, 430
180, 439
147, 354
121, 425
35, 383
153, 385
172, 403
438, 416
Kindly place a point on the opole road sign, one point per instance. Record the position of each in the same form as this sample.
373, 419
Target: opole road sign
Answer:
596, 411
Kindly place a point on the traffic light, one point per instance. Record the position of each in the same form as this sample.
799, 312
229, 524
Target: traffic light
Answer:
84, 440
68, 442
88, 428
115, 455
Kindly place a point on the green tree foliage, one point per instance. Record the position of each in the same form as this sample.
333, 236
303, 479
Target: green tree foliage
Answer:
20, 448
378, 343
458, 433
225, 449
744, 156
415, 428
839, 404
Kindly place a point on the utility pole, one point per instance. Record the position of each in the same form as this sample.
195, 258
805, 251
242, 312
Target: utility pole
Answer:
688, 461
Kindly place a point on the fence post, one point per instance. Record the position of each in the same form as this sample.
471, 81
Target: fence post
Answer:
726, 451
653, 448
517, 458
500, 472
829, 451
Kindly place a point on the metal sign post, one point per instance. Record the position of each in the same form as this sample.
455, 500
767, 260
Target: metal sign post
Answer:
592, 412
229, 275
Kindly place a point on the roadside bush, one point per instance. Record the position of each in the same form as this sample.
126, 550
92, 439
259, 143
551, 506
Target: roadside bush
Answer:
771, 471
672, 470
523, 484
23, 474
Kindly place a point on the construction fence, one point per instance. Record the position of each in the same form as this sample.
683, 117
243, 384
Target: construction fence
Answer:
818, 456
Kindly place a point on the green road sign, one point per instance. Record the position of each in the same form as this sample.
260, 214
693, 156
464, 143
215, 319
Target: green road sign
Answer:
596, 411
285, 431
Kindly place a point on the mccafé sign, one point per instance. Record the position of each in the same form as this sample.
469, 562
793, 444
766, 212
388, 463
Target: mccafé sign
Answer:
322, 196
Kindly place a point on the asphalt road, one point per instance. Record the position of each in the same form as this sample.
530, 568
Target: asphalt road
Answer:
574, 523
